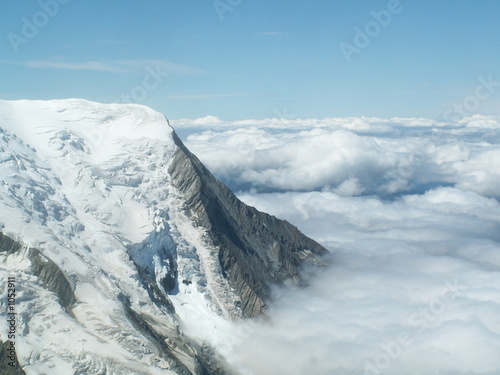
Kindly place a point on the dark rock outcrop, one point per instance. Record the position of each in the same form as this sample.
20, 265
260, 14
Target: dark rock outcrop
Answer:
47, 271
8, 245
8, 366
255, 249
52, 278
176, 348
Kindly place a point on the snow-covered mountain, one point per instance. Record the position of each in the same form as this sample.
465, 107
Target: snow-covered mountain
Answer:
123, 245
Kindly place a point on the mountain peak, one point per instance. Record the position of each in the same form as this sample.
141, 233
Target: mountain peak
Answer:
100, 129
137, 231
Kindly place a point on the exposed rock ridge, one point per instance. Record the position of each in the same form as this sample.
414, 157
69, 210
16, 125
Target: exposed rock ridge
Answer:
47, 271
184, 356
255, 249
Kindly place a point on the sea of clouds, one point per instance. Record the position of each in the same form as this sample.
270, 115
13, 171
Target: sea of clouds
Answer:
409, 209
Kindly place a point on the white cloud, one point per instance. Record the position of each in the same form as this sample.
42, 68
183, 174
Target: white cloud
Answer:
351, 156
478, 121
202, 121
414, 285
112, 66
414, 288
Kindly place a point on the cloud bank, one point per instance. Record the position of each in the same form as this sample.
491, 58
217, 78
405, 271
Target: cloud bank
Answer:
358, 156
410, 210
414, 288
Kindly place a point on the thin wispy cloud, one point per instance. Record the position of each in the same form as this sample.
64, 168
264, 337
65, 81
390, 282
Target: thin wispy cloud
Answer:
110, 42
208, 96
270, 33
166, 66
111, 66
88, 65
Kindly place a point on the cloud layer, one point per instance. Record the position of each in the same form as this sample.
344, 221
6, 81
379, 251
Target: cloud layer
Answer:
410, 210
357, 156
414, 288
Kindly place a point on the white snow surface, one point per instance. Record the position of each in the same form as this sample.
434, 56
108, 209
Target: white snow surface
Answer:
87, 184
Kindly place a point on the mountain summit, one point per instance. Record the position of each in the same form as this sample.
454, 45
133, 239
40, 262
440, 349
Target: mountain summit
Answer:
116, 236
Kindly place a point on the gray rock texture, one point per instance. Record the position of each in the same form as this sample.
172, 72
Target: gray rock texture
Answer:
255, 249
52, 278
5, 361
47, 271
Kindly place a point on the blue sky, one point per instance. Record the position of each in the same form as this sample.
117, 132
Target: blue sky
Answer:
254, 59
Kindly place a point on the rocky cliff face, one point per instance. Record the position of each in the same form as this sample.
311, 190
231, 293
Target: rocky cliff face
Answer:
255, 250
